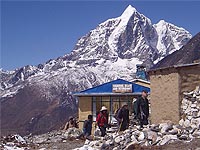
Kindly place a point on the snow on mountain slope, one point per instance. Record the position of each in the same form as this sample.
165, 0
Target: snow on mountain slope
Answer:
123, 21
108, 52
170, 38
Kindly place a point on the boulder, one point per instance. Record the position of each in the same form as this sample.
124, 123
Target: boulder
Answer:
118, 139
141, 136
183, 137
186, 123
152, 136
193, 105
167, 138
181, 122
133, 139
165, 127
173, 131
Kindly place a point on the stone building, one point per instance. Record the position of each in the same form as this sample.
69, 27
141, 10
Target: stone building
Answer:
111, 94
167, 87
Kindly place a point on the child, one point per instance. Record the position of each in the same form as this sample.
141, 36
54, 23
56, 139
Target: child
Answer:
87, 126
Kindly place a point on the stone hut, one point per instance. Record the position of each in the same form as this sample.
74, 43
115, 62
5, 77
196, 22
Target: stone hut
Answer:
111, 94
167, 88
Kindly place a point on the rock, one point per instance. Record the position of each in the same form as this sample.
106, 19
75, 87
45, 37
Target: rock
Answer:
194, 109
97, 132
85, 147
184, 102
109, 142
181, 122
87, 142
98, 145
193, 126
186, 123
190, 94
184, 107
152, 136
118, 139
116, 148
141, 136
111, 130
193, 105
165, 127
183, 137
198, 113
155, 129
128, 140
193, 99
133, 139
131, 146
74, 132
187, 110
189, 117
167, 138
173, 131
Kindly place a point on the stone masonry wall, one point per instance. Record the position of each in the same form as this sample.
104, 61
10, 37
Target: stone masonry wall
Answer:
165, 96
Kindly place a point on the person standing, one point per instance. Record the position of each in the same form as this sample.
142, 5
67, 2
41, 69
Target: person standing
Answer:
142, 108
123, 117
102, 120
87, 126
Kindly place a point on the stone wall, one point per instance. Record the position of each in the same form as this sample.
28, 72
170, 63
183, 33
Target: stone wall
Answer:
190, 78
164, 96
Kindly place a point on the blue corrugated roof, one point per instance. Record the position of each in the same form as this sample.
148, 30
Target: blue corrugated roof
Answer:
107, 88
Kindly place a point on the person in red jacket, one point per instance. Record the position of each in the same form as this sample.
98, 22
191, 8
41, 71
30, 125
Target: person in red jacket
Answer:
102, 120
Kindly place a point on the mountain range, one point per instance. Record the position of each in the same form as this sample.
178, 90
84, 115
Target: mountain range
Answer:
37, 99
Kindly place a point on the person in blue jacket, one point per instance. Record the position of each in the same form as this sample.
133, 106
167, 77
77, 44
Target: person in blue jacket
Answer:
87, 126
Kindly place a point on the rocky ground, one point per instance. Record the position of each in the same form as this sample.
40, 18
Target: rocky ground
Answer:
185, 135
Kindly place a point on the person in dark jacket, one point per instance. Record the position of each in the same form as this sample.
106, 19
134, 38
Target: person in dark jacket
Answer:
142, 109
102, 120
123, 117
87, 126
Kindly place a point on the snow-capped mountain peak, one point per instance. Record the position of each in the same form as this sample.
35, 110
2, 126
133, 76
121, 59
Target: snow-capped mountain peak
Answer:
170, 38
129, 11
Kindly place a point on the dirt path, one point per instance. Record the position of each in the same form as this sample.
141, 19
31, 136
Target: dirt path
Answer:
68, 145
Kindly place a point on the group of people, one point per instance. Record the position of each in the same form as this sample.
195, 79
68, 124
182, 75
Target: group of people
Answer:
141, 113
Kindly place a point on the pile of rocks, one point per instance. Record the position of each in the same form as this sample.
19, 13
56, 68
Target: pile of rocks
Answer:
190, 110
55, 136
34, 141
160, 134
13, 142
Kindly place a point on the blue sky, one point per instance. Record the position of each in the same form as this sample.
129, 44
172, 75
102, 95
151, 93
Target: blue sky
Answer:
32, 32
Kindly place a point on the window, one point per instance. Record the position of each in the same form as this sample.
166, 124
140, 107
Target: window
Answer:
112, 103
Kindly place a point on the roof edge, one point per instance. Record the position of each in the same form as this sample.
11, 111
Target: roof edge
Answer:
175, 66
